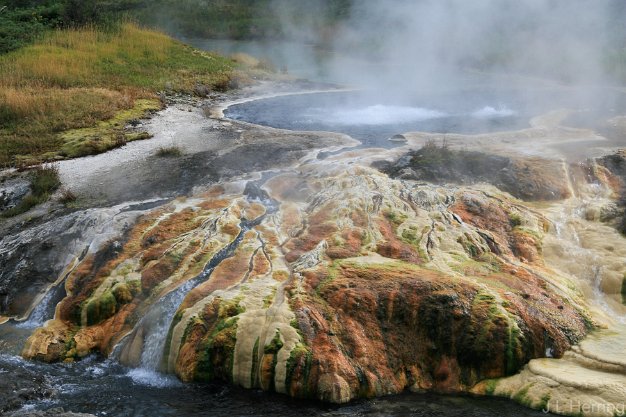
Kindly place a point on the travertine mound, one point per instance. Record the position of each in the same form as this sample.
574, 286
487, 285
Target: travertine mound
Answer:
338, 286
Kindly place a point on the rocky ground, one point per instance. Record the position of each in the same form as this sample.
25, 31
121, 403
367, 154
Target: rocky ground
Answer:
361, 274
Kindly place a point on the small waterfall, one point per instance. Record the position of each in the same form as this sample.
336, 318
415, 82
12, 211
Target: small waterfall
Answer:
154, 326
586, 249
44, 311
159, 321
40, 314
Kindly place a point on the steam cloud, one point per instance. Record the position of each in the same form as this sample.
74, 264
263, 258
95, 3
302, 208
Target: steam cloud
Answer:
404, 45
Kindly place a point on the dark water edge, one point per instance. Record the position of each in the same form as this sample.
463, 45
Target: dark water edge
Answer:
105, 388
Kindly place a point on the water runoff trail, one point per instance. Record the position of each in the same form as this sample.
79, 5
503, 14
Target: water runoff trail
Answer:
157, 321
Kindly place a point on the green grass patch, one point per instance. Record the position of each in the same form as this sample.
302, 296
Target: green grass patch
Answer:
545, 402
300, 357
74, 91
219, 344
272, 348
255, 362
101, 308
275, 344
515, 219
521, 396
68, 198
395, 218
490, 386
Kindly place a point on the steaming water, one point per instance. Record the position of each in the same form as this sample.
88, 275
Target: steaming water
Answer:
491, 112
378, 115
373, 116
373, 119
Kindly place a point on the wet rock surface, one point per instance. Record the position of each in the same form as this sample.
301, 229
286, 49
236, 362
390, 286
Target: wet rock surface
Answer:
213, 155
616, 166
588, 380
37, 248
19, 385
36, 257
12, 191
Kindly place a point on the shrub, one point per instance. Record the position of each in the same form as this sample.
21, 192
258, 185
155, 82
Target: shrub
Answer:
45, 180
169, 151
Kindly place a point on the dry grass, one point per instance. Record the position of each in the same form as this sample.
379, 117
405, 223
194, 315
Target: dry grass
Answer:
60, 109
77, 78
169, 151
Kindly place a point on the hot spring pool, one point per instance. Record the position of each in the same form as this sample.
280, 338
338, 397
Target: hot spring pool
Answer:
373, 118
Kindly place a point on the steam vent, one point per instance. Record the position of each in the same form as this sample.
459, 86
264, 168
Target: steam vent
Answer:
313, 208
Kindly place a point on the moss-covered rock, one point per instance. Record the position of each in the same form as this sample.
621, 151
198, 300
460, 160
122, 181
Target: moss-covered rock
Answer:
101, 308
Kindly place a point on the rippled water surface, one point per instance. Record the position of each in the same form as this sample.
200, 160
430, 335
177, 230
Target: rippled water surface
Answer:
106, 388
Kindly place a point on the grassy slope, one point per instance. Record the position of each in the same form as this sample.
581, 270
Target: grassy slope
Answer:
94, 81
240, 19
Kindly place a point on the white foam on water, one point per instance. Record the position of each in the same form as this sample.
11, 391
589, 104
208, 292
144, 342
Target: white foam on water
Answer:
96, 370
67, 388
489, 112
143, 376
155, 325
380, 114
33, 407
38, 317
